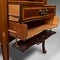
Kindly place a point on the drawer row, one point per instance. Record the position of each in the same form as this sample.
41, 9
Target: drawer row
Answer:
23, 14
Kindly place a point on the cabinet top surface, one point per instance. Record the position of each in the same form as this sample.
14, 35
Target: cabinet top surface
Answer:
27, 1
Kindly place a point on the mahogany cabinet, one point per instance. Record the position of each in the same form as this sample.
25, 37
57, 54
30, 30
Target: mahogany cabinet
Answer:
28, 20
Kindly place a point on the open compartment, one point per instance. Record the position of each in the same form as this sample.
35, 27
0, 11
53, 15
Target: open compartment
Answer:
30, 29
37, 23
38, 26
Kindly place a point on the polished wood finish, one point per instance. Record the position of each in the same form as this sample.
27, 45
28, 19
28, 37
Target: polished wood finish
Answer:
4, 29
17, 24
14, 27
0, 25
34, 12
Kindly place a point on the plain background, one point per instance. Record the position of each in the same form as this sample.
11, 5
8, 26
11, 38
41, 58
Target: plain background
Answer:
35, 52
57, 3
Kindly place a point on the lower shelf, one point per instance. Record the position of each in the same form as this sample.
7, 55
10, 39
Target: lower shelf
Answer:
24, 45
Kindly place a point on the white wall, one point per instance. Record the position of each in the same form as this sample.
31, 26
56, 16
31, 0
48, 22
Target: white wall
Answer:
57, 3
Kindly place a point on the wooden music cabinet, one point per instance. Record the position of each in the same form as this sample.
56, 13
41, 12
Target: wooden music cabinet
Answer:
30, 21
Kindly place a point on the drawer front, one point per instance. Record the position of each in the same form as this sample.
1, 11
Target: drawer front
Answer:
17, 30
36, 12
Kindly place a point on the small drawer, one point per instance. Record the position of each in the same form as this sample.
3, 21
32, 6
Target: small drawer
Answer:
37, 12
22, 14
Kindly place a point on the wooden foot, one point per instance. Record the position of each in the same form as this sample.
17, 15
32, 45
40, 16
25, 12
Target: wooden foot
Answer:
5, 51
43, 47
4, 28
